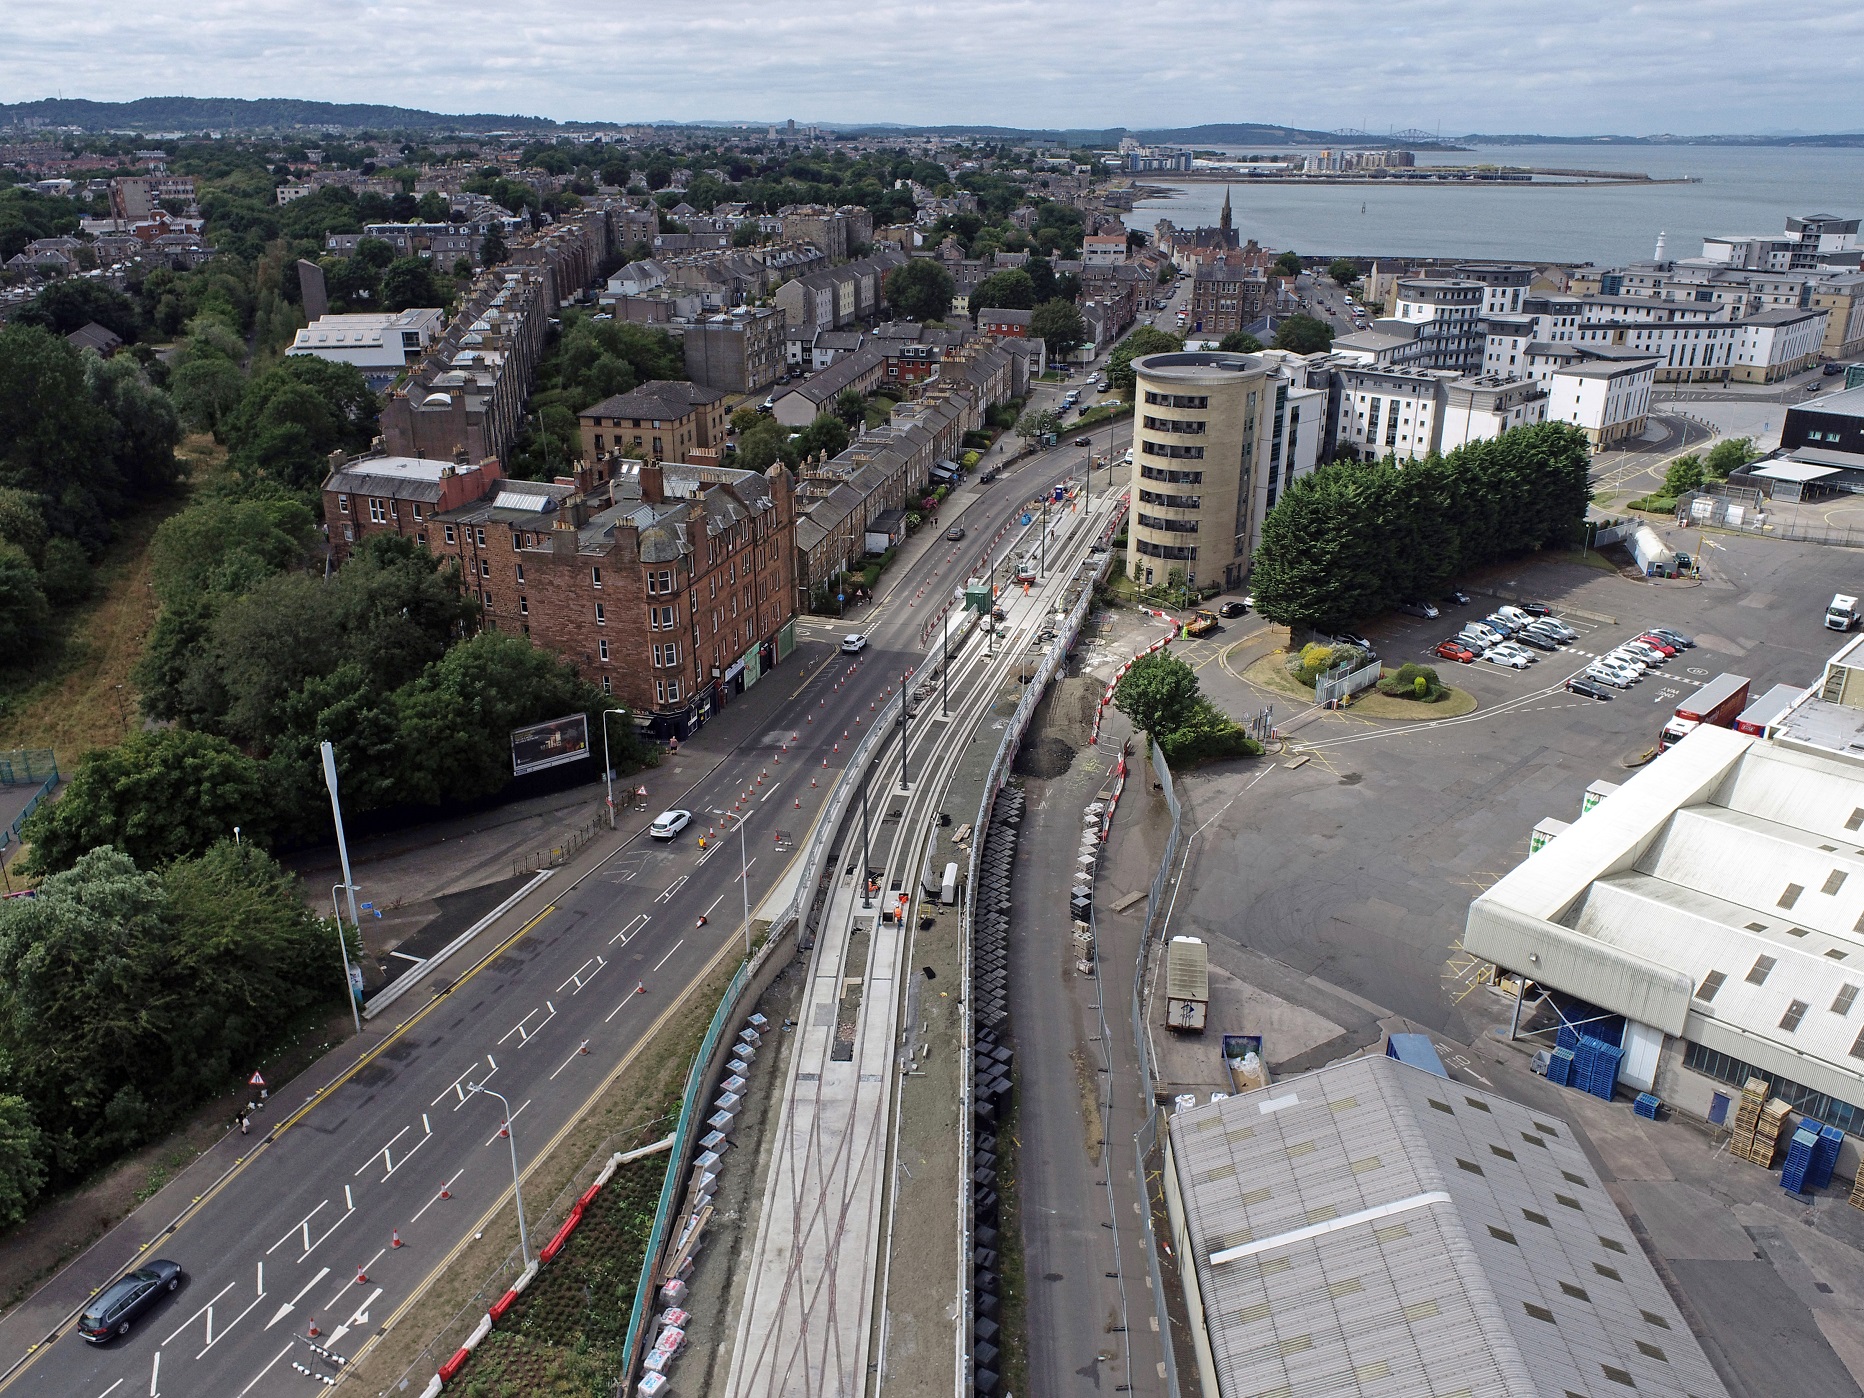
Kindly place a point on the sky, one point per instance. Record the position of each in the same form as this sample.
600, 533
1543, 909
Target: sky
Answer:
1579, 67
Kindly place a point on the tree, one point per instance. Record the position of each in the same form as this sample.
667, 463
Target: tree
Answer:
54, 440
294, 415
1343, 270
1304, 334
74, 302
1061, 325
1012, 289
65, 575
851, 407
744, 419
143, 428
920, 289
1042, 281
492, 251
1729, 455
762, 445
23, 613
157, 796
1239, 342
206, 392
1288, 264
225, 547
22, 1159
1158, 693
1685, 474
1144, 339
1036, 422
408, 282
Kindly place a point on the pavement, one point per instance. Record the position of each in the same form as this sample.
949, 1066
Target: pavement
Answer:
382, 1138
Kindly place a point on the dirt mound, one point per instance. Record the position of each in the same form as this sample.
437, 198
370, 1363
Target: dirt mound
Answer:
1045, 758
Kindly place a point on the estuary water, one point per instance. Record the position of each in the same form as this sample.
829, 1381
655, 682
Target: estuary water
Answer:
1740, 189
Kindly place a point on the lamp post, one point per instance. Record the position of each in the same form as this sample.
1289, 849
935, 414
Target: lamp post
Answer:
348, 885
867, 900
608, 768
905, 785
517, 1192
349, 985
744, 875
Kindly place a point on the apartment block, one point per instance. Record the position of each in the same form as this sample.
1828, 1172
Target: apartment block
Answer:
662, 420
739, 351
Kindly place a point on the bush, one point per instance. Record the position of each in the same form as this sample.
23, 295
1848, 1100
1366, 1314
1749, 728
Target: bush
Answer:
1654, 504
1316, 660
1418, 682
1208, 735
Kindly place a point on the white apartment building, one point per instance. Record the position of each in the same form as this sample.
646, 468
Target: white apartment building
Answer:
1483, 406
378, 343
1776, 344
1806, 243
1103, 250
1607, 399
1411, 413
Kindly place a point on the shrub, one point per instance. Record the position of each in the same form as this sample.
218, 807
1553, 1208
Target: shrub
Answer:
1316, 659
1654, 504
1418, 682
1207, 735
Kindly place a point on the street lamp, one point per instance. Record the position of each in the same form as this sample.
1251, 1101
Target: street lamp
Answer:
348, 885
744, 876
904, 677
349, 984
608, 768
517, 1192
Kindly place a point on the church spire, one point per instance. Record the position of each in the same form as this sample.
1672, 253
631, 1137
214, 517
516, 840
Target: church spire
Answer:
1224, 222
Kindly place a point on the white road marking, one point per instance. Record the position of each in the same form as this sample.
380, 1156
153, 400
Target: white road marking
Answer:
302, 1225
112, 1389
360, 1316
198, 1314
383, 1153
453, 1086
310, 1247
635, 924
514, 1116
263, 1372
285, 1309
771, 790
348, 1284
578, 979
436, 1199
670, 950
672, 889
155, 1374
409, 1153
708, 912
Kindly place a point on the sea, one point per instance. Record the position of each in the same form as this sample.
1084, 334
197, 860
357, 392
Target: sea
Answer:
1734, 189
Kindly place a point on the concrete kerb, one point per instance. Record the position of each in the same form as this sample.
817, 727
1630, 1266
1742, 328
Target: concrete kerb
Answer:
394, 991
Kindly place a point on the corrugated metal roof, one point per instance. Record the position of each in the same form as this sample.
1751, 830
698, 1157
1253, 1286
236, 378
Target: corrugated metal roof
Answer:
1398, 1234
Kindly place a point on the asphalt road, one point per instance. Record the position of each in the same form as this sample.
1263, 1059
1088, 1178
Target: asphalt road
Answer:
306, 1225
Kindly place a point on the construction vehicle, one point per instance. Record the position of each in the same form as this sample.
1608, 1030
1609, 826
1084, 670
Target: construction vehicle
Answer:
1202, 623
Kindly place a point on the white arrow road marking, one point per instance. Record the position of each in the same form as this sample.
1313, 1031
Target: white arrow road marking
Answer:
360, 1317
285, 1309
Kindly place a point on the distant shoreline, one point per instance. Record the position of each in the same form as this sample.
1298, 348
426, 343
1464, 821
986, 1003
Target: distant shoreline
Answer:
1440, 177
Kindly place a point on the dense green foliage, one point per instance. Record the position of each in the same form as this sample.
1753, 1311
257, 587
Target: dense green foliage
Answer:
1012, 289
1303, 334
1353, 538
128, 996
1161, 695
1239, 342
1344, 271
1411, 681
1061, 325
919, 290
590, 360
1143, 340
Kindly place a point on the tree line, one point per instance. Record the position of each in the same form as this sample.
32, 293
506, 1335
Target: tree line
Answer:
1353, 538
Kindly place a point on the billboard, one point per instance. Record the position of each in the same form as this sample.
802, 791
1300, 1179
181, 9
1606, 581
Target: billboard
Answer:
549, 744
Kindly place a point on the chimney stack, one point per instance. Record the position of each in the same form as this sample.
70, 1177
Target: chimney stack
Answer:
653, 487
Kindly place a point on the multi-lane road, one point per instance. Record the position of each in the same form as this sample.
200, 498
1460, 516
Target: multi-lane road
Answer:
397, 1149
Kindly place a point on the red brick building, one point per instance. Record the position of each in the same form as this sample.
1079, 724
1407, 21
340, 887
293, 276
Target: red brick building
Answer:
397, 495
672, 587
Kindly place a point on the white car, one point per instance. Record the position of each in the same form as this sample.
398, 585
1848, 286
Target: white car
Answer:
1560, 629
1483, 631
1479, 644
1628, 659
1650, 655
1609, 674
1512, 659
1514, 614
669, 823
1622, 668
1127, 460
853, 643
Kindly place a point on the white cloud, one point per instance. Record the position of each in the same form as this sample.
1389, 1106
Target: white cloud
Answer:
1579, 67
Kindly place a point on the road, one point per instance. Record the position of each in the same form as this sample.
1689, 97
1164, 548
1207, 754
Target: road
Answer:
397, 1149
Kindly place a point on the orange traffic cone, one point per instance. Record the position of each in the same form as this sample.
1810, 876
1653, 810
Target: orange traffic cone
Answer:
314, 1331
394, 1238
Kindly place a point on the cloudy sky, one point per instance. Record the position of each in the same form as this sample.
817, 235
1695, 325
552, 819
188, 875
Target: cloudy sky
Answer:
1577, 67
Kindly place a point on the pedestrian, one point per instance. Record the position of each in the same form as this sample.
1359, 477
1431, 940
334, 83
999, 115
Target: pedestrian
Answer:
245, 1125
251, 1106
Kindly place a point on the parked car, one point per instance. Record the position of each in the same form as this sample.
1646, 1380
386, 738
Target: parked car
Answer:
853, 643
1536, 608
1541, 629
669, 823
1619, 664
1514, 614
1674, 637
1456, 597
116, 1308
1514, 660
1610, 674
1649, 654
1353, 638
1423, 609
955, 533
1539, 640
1483, 632
1591, 689
1516, 648
1452, 650
1558, 628
1500, 623
1832, 371
1232, 608
1657, 643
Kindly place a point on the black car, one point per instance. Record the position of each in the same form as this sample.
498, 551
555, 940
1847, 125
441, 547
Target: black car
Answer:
114, 1309
1832, 371
1456, 598
1232, 608
1536, 640
1676, 638
1536, 608
1588, 688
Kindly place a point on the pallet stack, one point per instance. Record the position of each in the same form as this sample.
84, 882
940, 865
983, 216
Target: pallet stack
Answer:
1857, 1191
1747, 1115
1799, 1160
1767, 1133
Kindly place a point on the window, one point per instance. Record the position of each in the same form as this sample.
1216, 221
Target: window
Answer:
485, 567
479, 535
1502, 1151
1469, 1165
1847, 997
1794, 1013
601, 615
488, 600
1568, 1201
1578, 1293
524, 605
1611, 1244
1171, 450
673, 691
1652, 1318
666, 618
1503, 1234
1443, 1107
520, 572
1791, 896
417, 512
605, 686
348, 533
1184, 427
1710, 984
602, 649
1538, 1312
1834, 881
1762, 968
342, 504
377, 514
1617, 1375
1539, 1218
660, 691
450, 538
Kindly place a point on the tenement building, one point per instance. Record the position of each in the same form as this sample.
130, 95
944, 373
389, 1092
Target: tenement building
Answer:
1217, 437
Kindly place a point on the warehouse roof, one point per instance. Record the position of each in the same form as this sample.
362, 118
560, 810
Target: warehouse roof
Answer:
1373, 1229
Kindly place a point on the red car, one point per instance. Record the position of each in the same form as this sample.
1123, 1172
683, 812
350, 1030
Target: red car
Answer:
1658, 643
1450, 650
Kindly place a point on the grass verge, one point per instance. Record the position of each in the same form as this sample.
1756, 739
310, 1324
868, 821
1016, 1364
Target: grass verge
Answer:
1271, 673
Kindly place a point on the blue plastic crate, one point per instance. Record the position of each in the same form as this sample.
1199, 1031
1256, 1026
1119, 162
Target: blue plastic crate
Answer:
1646, 1105
1796, 1173
1560, 1067
1825, 1157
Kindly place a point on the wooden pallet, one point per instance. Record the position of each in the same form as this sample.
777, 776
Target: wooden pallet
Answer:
1857, 1191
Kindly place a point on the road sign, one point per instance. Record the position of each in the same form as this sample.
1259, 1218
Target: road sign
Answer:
256, 1080
841, 597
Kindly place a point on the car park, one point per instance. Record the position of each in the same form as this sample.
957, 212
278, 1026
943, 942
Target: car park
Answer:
1483, 632
1658, 644
1591, 689
1232, 608
1649, 654
1674, 637
1514, 660
1558, 628
853, 643
1539, 640
1452, 650
1423, 609
1620, 665
669, 823
955, 533
1471, 640
1517, 649
118, 1306
1546, 632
